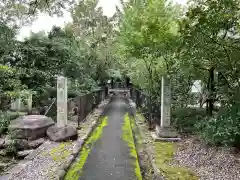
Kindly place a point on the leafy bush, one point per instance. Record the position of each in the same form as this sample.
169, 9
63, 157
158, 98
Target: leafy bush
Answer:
11, 148
184, 119
5, 118
73, 94
4, 122
13, 115
223, 129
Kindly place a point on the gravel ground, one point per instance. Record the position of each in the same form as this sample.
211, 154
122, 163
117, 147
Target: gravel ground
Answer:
210, 163
47, 159
45, 164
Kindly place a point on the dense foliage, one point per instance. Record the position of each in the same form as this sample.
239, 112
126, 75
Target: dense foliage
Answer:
145, 40
81, 51
184, 44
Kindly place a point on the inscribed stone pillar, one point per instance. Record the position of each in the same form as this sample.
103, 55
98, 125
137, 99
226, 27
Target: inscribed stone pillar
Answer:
165, 132
165, 103
62, 101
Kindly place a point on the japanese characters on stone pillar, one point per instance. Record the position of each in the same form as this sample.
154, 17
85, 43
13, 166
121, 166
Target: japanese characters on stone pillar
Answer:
61, 101
165, 104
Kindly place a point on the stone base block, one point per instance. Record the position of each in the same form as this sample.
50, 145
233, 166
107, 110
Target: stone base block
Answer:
166, 132
57, 134
156, 138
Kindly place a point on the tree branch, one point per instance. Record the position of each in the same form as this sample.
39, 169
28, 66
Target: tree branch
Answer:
225, 80
47, 2
35, 4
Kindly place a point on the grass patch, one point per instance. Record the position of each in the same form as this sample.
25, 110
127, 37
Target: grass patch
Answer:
163, 153
75, 170
128, 138
145, 164
60, 152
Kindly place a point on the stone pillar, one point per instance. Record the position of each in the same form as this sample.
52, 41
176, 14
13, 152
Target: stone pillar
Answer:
62, 101
13, 105
62, 131
29, 101
165, 104
16, 105
164, 132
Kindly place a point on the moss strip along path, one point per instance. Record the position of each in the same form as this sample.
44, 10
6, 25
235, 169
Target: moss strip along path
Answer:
128, 137
76, 169
109, 154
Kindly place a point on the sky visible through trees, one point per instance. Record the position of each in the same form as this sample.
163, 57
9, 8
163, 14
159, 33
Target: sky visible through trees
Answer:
143, 40
41, 25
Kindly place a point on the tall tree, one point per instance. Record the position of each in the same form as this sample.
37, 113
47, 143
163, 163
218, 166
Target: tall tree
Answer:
210, 36
23, 11
95, 34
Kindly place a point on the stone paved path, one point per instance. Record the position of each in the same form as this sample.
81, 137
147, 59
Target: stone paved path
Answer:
110, 157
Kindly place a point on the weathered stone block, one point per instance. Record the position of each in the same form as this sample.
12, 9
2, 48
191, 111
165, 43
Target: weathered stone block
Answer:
36, 143
57, 134
166, 132
31, 126
20, 144
24, 153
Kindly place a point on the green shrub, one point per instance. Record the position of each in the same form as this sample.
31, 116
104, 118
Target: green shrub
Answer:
11, 148
5, 118
13, 115
4, 122
224, 129
184, 119
73, 94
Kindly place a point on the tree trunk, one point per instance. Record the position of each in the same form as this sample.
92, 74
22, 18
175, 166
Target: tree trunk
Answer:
127, 81
112, 80
211, 90
150, 100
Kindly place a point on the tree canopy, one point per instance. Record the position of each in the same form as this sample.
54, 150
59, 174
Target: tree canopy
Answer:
144, 40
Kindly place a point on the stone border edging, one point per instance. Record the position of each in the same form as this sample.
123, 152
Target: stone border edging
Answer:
78, 147
155, 169
157, 173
